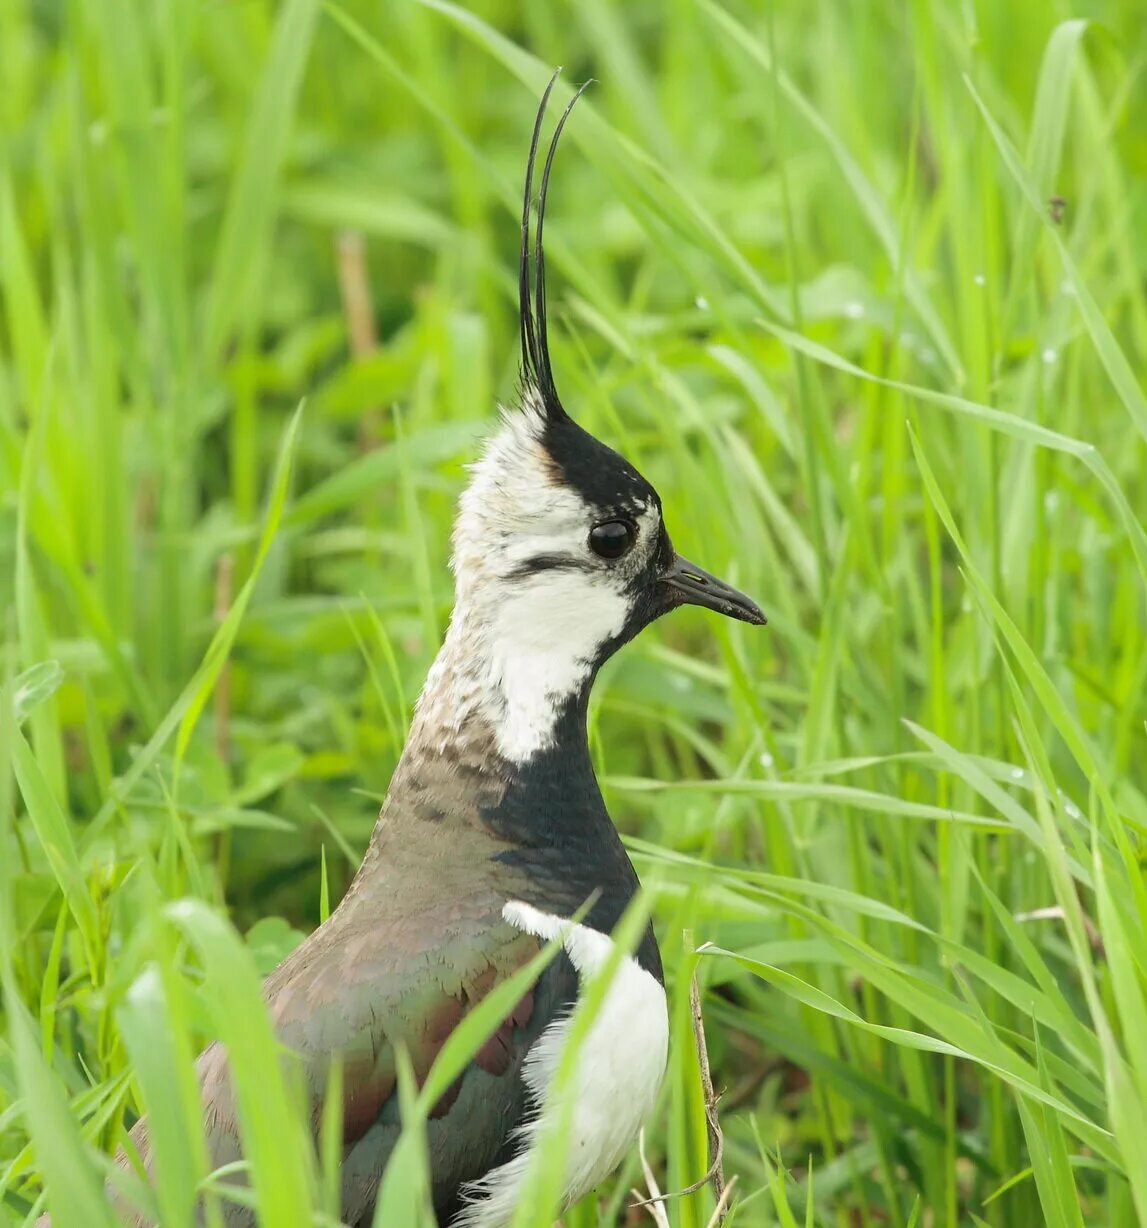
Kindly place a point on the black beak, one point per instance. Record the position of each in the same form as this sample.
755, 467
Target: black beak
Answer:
689, 584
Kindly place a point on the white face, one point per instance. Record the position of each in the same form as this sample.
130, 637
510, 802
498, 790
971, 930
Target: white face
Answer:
535, 602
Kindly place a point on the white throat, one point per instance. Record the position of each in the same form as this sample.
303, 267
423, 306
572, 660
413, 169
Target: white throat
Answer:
517, 661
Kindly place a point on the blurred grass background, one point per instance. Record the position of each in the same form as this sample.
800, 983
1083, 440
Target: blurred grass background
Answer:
860, 288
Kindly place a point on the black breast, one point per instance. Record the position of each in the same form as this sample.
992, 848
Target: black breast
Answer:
563, 839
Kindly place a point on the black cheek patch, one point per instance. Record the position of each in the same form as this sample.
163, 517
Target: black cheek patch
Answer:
546, 562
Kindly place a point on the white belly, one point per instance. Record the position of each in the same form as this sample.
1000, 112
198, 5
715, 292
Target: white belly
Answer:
620, 1065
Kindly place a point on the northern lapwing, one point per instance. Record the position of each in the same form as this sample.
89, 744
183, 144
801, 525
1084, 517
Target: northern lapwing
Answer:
494, 834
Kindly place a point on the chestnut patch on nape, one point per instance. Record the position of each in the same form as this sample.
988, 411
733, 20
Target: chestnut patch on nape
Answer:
551, 470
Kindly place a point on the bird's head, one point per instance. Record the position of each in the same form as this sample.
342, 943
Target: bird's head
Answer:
561, 552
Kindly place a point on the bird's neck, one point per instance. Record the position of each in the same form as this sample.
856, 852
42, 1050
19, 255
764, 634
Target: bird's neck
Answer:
515, 680
498, 752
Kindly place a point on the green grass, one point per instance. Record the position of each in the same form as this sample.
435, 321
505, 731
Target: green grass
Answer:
806, 273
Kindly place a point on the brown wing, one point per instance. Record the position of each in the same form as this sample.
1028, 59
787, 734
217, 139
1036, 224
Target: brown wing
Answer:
353, 993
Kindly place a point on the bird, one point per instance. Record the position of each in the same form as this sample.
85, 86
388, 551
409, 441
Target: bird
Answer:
494, 838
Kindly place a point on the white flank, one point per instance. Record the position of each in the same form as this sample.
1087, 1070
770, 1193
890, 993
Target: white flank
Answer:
620, 1067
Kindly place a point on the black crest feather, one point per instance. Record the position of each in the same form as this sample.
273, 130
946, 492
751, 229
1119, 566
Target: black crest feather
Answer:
536, 370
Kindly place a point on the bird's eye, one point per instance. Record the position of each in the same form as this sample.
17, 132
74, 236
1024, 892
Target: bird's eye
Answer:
611, 539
